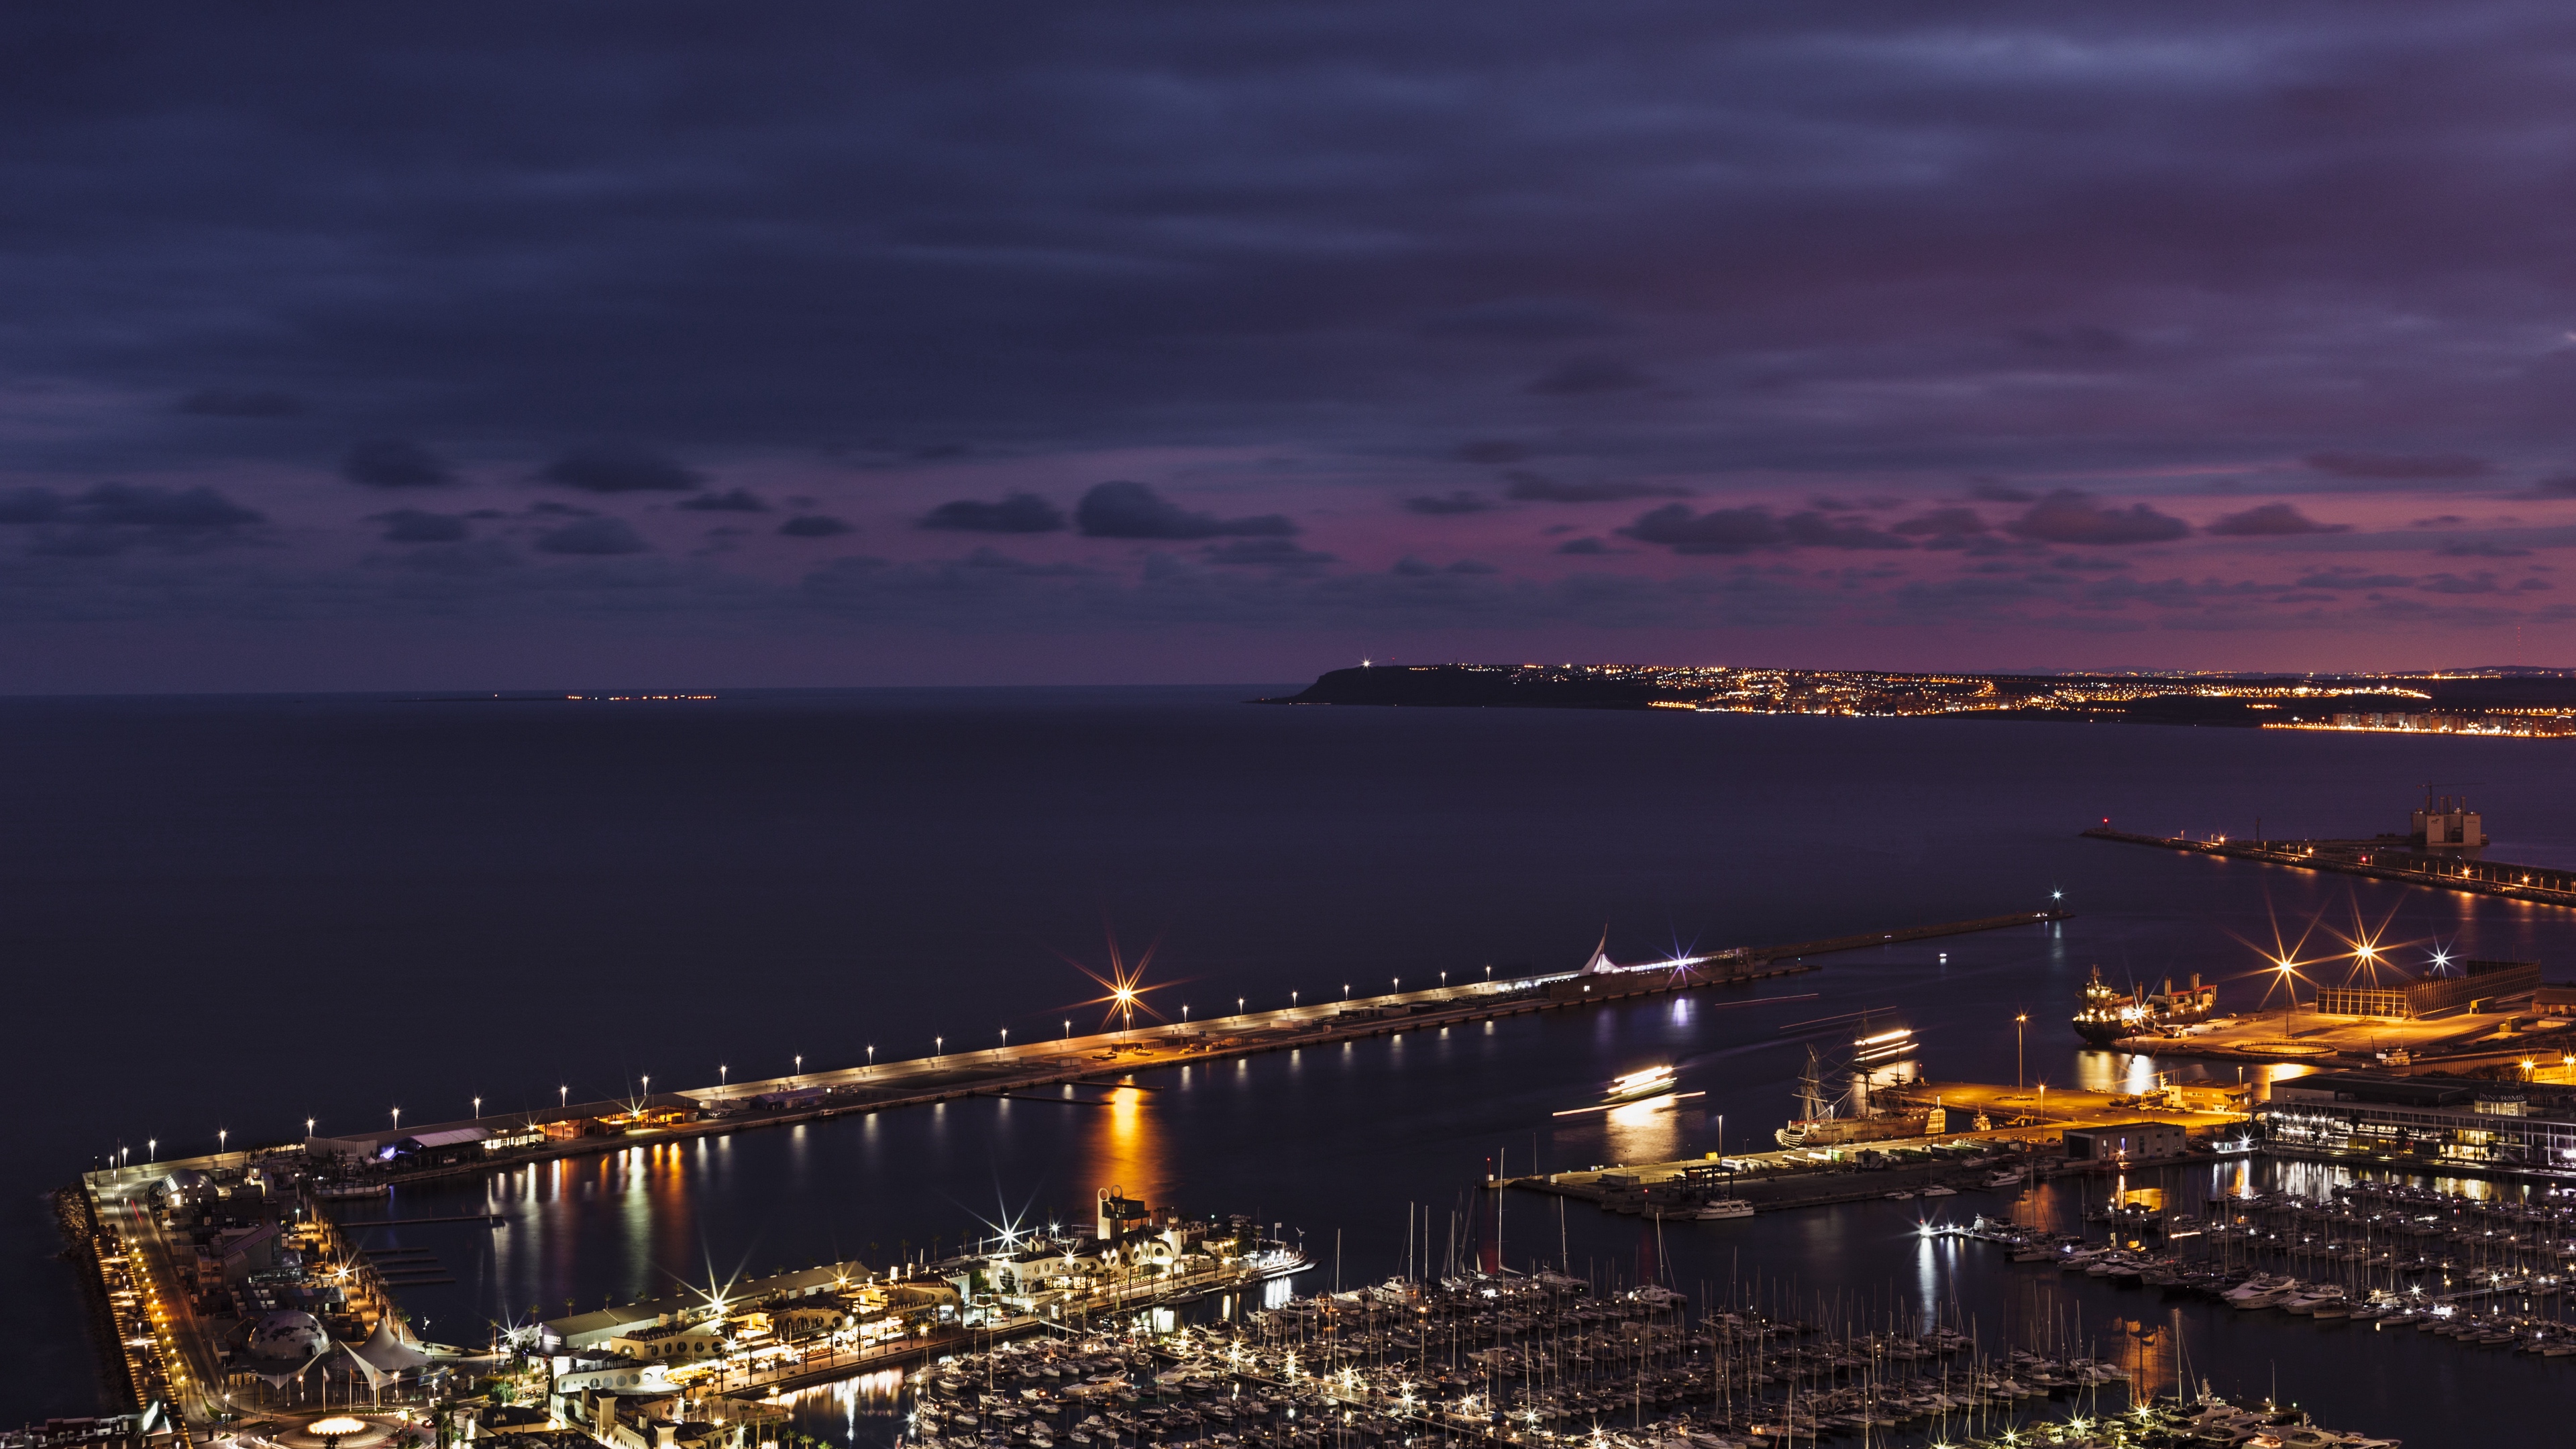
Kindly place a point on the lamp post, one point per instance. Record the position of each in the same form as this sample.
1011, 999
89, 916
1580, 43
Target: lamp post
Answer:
2020, 1021
478, 1109
800, 1064
398, 1119
648, 1086
722, 1072
1238, 1006
563, 1096
872, 1060
1006, 1038
1068, 1028
222, 1135
152, 1146
308, 1126
938, 1047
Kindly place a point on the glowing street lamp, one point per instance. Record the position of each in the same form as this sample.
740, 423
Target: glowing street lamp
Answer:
722, 1071
308, 1126
152, 1145
221, 1135
872, 1059
563, 1096
2021, 1020
478, 1108
398, 1119
938, 1047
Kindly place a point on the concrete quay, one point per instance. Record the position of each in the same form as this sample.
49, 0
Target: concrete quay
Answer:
2379, 860
2025, 1118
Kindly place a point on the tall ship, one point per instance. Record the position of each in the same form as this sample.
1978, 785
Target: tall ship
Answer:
1827, 1118
2107, 1015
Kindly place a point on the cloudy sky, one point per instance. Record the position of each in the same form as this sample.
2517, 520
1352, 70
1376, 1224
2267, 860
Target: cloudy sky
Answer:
521, 346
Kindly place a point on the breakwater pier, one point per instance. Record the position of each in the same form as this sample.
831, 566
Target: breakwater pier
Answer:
400, 1154
2385, 859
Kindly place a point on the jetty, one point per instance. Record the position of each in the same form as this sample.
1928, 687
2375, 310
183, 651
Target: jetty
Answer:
2387, 858
1019, 1071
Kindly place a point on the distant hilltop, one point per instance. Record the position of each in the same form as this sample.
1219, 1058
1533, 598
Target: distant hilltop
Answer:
2526, 702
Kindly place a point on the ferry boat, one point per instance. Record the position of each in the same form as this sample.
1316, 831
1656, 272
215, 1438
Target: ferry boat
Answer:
2107, 1015
1651, 1082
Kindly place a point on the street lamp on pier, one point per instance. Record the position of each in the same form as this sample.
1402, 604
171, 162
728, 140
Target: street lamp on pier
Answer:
152, 1146
563, 1096
938, 1047
222, 1135
478, 1109
2020, 1021
872, 1059
648, 1085
1238, 1006
722, 1072
398, 1119
308, 1126
800, 1064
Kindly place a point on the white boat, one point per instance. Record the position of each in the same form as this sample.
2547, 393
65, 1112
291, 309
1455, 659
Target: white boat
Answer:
1651, 1082
1720, 1208
1937, 1190
1900, 1197
2009, 1178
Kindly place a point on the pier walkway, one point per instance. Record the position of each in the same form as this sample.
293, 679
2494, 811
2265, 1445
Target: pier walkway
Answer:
2380, 860
1109, 1059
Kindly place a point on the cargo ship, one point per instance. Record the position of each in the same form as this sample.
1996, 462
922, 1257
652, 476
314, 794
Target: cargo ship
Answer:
2107, 1015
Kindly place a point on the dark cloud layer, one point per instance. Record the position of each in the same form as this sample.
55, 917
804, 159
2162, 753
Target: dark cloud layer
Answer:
227, 402
2271, 520
395, 463
1283, 262
619, 468
732, 500
1531, 487
592, 537
2070, 516
1132, 510
411, 525
1018, 513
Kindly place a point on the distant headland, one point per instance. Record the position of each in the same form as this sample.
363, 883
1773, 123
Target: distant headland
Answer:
2491, 701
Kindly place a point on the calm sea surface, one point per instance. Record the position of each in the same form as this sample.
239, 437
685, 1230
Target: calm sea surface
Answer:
236, 914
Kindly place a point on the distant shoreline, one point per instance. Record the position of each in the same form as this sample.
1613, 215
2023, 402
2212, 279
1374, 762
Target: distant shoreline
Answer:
2498, 703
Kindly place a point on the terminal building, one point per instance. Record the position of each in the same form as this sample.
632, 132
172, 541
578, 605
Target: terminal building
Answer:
2126, 1142
2424, 1119
2478, 981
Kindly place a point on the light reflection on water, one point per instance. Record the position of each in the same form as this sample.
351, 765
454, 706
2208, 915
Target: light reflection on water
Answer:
866, 1409
1334, 1140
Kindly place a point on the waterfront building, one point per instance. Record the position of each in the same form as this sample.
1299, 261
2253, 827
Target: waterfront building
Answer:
2406, 1000
2126, 1142
2471, 1123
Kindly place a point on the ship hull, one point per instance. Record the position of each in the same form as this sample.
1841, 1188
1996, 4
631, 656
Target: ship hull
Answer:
2098, 1033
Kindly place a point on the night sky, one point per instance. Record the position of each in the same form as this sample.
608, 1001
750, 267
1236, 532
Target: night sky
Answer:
518, 346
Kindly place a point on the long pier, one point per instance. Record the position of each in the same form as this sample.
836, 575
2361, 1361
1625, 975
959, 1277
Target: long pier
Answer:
1103, 1058
2379, 860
